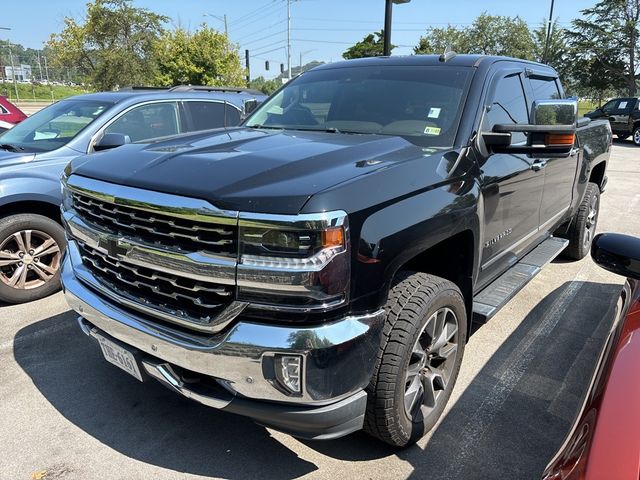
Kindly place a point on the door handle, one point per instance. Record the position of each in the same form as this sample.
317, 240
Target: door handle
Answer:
538, 165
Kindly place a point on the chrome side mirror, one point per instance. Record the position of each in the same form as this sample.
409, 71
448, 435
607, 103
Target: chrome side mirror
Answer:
554, 112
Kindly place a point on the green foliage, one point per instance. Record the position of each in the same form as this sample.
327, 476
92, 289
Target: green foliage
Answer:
205, 57
37, 91
605, 46
265, 86
487, 35
114, 45
370, 46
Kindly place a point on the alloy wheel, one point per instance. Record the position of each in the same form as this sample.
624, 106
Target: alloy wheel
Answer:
431, 363
28, 259
592, 220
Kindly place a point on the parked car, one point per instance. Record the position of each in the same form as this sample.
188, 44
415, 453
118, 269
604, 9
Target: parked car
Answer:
624, 116
317, 268
604, 440
34, 153
9, 113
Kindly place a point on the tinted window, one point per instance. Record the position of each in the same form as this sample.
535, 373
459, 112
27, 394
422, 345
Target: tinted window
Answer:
3, 111
232, 116
508, 106
147, 121
544, 89
54, 126
624, 105
420, 103
206, 115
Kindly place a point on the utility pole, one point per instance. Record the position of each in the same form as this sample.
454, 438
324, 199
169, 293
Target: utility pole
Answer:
13, 74
546, 42
40, 67
222, 19
246, 62
289, 38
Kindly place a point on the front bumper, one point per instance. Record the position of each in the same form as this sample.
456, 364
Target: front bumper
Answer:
338, 359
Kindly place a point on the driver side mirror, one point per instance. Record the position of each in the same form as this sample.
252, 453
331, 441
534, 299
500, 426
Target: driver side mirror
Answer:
111, 140
617, 253
552, 131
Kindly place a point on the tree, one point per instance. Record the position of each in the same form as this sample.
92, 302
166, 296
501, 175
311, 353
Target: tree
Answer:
487, 35
606, 41
265, 86
113, 46
370, 46
438, 39
205, 57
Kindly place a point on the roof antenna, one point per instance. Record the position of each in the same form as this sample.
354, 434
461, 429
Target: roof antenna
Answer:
448, 54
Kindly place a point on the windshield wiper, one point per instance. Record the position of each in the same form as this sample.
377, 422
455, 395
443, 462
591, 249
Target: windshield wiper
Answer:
267, 127
11, 148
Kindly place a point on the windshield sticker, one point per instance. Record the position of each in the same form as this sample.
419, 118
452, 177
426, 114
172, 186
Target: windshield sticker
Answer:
434, 112
432, 131
622, 105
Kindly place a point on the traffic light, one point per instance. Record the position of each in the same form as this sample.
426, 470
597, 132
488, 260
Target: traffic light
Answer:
282, 68
266, 65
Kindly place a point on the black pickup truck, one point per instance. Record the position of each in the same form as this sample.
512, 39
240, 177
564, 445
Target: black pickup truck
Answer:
624, 116
318, 268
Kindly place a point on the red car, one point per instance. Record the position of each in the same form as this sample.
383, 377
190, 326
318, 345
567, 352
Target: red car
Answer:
605, 440
9, 112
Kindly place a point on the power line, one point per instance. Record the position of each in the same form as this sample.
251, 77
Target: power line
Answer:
259, 49
250, 14
263, 38
258, 32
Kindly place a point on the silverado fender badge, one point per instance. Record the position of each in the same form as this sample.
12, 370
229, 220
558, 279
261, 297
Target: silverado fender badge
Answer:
497, 238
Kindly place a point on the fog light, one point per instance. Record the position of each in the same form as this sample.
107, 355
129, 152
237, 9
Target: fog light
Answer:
289, 372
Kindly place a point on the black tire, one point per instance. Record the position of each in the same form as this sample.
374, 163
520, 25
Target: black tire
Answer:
46, 240
636, 136
414, 301
583, 224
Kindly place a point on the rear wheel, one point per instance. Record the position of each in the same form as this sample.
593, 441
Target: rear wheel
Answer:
583, 226
419, 359
636, 135
31, 248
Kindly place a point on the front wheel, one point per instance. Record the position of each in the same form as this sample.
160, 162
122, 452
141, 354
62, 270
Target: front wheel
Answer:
636, 135
419, 359
31, 248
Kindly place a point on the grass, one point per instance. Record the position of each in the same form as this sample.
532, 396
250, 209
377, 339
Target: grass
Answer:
585, 106
43, 93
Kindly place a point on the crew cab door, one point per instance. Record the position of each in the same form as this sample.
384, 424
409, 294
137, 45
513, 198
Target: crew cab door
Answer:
620, 114
559, 173
511, 184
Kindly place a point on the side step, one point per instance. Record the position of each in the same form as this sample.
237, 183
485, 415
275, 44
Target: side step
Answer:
495, 295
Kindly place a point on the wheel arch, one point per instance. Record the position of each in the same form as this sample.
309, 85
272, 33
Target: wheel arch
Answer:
597, 174
38, 206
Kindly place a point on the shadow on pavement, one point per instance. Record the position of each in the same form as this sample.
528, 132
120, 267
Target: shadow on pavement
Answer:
507, 424
145, 421
516, 412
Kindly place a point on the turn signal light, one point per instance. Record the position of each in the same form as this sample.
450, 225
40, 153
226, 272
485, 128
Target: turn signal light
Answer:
333, 237
559, 139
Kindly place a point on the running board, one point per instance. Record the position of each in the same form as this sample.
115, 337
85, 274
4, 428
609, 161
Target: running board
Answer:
487, 303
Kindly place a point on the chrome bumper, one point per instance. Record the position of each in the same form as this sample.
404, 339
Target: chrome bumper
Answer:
338, 357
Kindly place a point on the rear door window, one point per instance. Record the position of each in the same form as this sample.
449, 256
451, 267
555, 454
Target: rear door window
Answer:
208, 115
148, 121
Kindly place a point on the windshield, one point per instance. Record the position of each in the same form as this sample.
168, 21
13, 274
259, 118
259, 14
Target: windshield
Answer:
53, 126
420, 103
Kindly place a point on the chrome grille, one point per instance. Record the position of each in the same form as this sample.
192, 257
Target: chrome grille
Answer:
187, 299
160, 230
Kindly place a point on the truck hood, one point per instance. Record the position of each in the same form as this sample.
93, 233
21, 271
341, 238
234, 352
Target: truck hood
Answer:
247, 169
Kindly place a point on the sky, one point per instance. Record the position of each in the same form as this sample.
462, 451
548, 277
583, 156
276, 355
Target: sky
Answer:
320, 29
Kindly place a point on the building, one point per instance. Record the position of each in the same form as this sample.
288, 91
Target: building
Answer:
22, 73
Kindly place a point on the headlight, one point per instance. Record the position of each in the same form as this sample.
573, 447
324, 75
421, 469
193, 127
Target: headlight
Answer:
297, 263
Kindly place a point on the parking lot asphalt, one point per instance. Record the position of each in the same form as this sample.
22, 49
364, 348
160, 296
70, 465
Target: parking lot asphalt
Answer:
65, 413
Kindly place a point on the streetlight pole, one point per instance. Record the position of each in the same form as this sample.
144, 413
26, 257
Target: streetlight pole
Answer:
289, 38
301, 54
13, 73
222, 19
388, 13
546, 42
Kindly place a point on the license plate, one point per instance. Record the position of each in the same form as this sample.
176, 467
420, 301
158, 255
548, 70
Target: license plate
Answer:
119, 356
